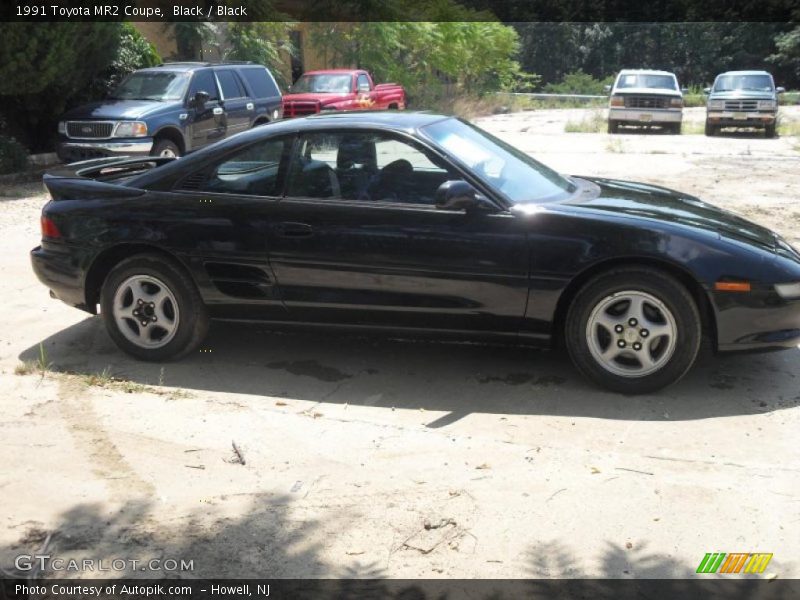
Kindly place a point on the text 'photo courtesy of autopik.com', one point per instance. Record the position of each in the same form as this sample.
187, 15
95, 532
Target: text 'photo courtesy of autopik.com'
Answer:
399, 299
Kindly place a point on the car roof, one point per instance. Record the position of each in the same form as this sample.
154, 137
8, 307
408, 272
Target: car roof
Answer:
644, 72
745, 73
193, 66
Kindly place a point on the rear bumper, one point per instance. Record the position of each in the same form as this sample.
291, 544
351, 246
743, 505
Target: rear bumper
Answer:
740, 119
74, 151
58, 268
760, 320
645, 116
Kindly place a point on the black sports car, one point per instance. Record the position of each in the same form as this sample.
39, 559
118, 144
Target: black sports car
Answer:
412, 224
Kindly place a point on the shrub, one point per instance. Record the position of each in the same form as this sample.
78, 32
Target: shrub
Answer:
13, 155
579, 82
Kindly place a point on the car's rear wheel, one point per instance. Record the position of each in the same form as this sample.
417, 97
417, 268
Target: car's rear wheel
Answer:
633, 330
152, 309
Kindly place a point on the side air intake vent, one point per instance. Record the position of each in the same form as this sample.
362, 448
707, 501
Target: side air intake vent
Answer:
194, 182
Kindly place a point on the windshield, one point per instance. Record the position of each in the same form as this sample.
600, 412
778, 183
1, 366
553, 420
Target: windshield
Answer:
511, 172
324, 84
153, 85
750, 83
660, 82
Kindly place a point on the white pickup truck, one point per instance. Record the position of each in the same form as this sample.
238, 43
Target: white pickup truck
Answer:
645, 98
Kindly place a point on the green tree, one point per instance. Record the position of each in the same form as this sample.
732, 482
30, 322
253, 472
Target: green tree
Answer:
45, 69
265, 43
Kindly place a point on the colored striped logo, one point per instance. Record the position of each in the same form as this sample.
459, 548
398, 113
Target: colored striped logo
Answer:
741, 562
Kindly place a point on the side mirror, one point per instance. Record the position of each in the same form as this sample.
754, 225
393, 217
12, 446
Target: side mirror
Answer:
200, 98
607, 89
459, 195
707, 90
780, 90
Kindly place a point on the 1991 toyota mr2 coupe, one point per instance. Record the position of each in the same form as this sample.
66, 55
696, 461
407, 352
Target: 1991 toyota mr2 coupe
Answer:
412, 223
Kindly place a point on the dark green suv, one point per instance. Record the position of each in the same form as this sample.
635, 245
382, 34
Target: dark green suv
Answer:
742, 99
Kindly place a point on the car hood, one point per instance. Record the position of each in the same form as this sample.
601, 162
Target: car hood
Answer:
654, 202
645, 90
116, 109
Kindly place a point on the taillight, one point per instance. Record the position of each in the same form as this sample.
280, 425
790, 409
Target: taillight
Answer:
617, 101
49, 229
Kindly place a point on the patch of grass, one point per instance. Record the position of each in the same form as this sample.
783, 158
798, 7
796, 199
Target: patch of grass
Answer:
595, 122
787, 128
615, 146
105, 379
693, 128
40, 366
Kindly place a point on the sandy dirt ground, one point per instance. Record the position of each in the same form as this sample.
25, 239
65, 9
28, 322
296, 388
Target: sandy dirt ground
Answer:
366, 457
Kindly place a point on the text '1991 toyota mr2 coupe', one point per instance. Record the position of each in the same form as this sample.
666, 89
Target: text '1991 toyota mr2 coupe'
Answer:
411, 224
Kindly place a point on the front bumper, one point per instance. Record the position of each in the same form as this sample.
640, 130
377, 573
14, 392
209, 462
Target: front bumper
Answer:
58, 267
645, 116
759, 320
73, 151
740, 119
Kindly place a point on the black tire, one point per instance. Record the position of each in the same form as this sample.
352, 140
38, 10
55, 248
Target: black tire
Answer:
663, 287
192, 321
711, 130
676, 128
613, 127
165, 147
770, 131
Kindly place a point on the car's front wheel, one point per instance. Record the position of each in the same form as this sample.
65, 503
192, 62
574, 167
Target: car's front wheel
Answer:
152, 309
633, 330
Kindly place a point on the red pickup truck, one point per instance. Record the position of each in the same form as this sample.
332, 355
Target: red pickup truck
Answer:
340, 89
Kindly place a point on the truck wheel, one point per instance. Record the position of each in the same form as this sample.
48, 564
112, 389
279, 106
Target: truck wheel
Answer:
613, 127
633, 330
165, 148
711, 130
770, 131
152, 309
675, 128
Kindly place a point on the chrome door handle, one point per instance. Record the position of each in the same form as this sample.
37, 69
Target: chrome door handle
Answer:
250, 106
217, 110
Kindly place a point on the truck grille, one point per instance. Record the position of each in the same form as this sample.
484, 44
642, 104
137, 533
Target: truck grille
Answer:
298, 108
741, 105
89, 129
646, 102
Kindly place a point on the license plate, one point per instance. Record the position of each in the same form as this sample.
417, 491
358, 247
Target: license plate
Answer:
739, 116
645, 117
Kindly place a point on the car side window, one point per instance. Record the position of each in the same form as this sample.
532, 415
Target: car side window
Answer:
203, 81
362, 83
365, 166
229, 82
254, 170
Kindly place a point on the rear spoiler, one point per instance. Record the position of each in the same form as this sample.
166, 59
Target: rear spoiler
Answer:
98, 178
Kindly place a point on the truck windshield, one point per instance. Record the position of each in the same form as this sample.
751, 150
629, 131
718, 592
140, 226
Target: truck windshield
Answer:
323, 84
749, 83
639, 80
150, 85
514, 174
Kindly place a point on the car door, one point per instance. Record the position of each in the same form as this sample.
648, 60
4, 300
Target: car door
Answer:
207, 122
226, 239
365, 95
239, 108
358, 240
